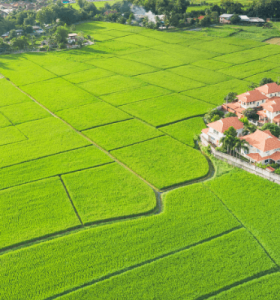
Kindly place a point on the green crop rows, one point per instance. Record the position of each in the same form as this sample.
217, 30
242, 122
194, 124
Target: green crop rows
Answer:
103, 193
120, 134
160, 161
31, 211
108, 192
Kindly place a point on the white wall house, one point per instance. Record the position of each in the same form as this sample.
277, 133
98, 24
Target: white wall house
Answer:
270, 90
251, 99
215, 130
263, 147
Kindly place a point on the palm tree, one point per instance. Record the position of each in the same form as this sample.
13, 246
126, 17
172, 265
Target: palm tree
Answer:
240, 144
228, 142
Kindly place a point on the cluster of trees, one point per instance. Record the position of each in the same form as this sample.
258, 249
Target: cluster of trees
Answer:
47, 15
231, 144
260, 8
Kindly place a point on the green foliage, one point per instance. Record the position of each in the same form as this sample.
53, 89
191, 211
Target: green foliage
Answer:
108, 192
126, 244
273, 128
230, 114
265, 81
37, 203
250, 113
185, 131
20, 42
167, 109
52, 165
213, 113
121, 134
92, 115
164, 161
235, 19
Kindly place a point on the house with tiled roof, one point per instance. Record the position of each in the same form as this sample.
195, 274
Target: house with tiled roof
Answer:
270, 90
263, 147
215, 130
266, 99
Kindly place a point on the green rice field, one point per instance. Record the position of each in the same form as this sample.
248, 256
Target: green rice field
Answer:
103, 191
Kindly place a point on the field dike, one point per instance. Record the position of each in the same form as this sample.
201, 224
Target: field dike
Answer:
157, 210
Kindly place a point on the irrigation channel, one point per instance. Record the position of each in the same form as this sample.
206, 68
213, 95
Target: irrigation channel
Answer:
157, 210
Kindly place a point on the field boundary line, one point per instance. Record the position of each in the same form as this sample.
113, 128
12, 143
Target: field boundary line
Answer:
136, 143
71, 201
41, 157
127, 269
233, 214
178, 121
56, 175
102, 125
89, 140
72, 230
237, 283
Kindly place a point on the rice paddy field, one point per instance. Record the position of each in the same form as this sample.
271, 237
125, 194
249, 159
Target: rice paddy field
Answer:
103, 193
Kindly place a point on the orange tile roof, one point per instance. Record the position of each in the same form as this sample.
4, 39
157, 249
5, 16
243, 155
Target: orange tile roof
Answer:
270, 169
262, 140
277, 118
200, 17
224, 124
256, 157
261, 113
235, 106
269, 88
205, 130
272, 104
251, 96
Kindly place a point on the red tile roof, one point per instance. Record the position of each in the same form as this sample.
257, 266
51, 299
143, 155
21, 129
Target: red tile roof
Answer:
277, 118
200, 17
235, 106
262, 140
256, 157
261, 113
205, 130
251, 96
272, 104
224, 124
269, 88
270, 169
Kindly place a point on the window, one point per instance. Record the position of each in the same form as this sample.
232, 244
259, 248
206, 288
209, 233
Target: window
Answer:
245, 151
258, 151
216, 132
266, 161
